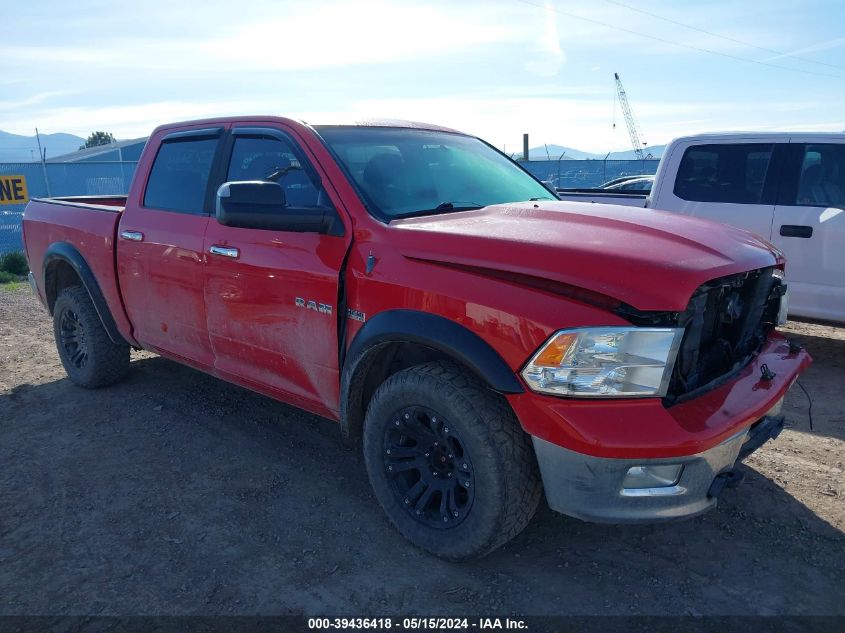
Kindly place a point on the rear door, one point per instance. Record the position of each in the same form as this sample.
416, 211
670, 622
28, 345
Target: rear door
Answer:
272, 296
809, 227
160, 248
732, 182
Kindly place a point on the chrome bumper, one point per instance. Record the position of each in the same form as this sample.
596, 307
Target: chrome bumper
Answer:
591, 488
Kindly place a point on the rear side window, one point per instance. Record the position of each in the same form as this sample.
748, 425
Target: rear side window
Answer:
724, 173
179, 178
822, 180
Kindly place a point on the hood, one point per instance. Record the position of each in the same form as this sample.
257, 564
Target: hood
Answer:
651, 260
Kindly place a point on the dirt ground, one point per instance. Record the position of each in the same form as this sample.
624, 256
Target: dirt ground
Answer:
174, 493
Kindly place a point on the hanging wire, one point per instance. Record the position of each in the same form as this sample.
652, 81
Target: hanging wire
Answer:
810, 402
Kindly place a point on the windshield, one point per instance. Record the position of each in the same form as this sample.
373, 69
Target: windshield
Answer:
404, 172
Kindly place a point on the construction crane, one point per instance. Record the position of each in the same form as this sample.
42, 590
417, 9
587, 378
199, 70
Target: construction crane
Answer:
633, 130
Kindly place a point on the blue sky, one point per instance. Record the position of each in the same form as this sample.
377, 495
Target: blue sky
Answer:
493, 68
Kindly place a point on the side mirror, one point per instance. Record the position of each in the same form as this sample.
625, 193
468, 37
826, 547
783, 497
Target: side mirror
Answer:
258, 204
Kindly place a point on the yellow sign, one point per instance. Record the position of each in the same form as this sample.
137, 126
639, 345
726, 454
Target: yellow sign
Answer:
13, 190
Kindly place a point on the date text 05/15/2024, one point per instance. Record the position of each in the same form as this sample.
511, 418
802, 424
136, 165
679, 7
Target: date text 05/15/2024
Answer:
417, 623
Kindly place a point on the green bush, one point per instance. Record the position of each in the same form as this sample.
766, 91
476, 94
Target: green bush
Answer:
14, 263
7, 277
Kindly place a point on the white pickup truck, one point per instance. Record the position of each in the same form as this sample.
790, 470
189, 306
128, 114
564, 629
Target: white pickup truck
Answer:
788, 188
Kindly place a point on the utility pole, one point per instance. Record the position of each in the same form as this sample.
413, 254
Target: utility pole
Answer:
560, 158
43, 155
525, 147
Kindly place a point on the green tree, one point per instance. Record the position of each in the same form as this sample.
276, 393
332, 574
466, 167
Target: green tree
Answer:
98, 138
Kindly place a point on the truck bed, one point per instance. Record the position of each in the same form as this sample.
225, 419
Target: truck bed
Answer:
604, 196
114, 204
87, 224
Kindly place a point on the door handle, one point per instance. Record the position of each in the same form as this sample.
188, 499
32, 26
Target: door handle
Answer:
132, 236
225, 251
796, 230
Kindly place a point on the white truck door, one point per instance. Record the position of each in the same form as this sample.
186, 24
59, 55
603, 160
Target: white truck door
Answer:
809, 227
728, 181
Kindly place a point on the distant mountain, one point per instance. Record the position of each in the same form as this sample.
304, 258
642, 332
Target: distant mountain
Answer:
555, 152
656, 151
15, 148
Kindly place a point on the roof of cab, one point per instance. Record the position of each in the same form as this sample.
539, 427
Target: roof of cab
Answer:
394, 123
761, 136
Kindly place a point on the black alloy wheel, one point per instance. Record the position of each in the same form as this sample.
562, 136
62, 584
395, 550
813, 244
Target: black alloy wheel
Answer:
448, 461
429, 467
90, 357
72, 338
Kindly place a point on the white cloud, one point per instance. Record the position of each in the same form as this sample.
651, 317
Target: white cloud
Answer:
301, 37
66, 55
32, 100
549, 56
364, 32
820, 46
131, 121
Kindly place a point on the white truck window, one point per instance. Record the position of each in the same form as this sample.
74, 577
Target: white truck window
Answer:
732, 173
822, 181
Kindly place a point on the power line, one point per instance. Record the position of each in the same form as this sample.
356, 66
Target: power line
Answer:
679, 44
724, 37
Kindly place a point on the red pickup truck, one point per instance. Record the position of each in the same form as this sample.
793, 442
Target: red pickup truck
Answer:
485, 343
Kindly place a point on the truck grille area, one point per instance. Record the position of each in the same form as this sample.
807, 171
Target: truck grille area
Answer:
726, 323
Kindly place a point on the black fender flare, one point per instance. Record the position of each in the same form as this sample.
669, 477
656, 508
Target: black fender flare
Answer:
429, 330
67, 253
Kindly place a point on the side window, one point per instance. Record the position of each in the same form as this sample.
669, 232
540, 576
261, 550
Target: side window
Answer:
822, 180
724, 173
179, 177
270, 158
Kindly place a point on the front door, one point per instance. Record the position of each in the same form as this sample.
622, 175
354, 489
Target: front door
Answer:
272, 296
809, 228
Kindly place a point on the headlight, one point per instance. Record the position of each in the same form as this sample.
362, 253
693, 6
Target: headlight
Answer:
605, 362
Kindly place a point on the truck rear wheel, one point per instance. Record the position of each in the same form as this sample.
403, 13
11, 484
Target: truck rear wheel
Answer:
449, 462
88, 355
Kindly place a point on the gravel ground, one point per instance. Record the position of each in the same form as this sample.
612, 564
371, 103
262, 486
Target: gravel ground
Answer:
174, 493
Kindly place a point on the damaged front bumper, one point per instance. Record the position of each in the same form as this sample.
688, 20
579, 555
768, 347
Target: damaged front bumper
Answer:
603, 490
638, 461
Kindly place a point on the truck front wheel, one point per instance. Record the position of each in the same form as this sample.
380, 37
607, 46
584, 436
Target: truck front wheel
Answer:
449, 462
88, 355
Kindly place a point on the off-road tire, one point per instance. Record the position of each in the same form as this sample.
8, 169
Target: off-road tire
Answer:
104, 362
505, 474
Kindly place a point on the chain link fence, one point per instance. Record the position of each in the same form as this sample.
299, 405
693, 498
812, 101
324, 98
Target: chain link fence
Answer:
88, 178
587, 174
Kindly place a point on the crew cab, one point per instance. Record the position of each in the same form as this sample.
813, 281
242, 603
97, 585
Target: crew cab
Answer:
484, 343
788, 188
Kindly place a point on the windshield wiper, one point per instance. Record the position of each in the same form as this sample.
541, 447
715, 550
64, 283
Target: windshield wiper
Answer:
541, 198
283, 171
443, 207
458, 204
